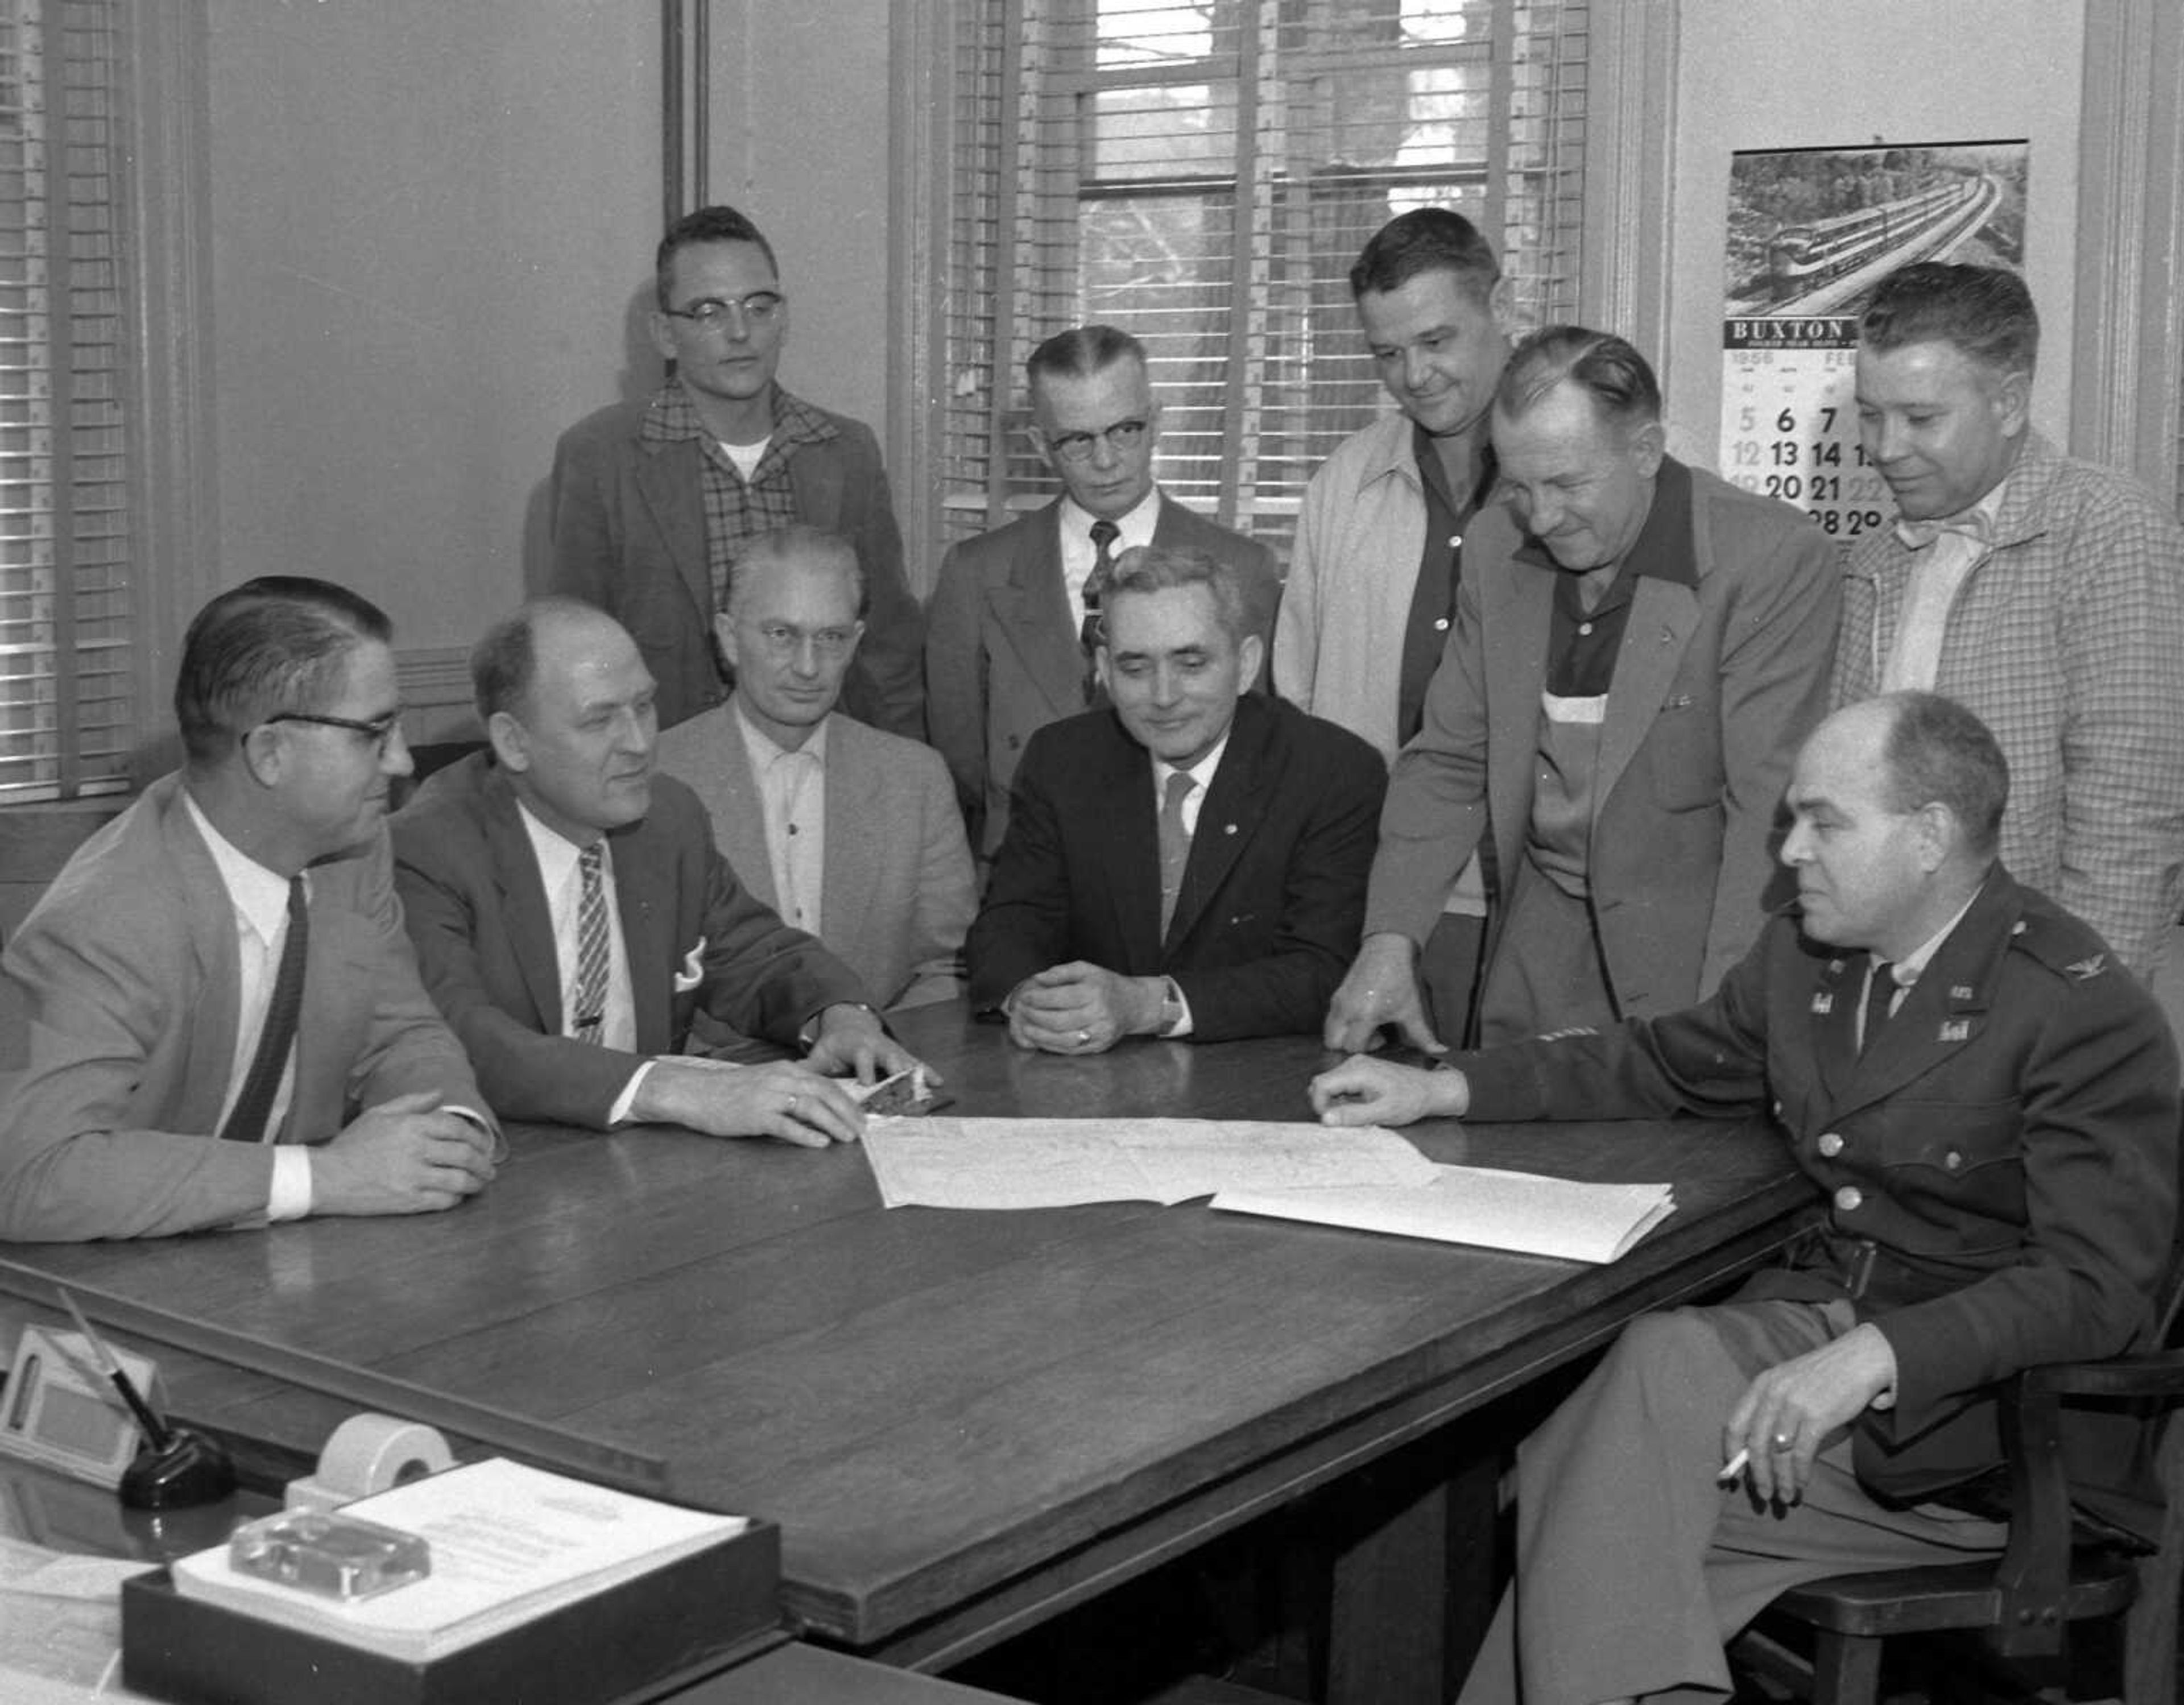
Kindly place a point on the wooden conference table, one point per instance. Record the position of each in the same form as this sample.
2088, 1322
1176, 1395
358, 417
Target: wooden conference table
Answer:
963, 1423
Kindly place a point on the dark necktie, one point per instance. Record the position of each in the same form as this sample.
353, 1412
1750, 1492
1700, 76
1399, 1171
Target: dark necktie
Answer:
591, 1003
1174, 842
1104, 535
247, 1122
1880, 992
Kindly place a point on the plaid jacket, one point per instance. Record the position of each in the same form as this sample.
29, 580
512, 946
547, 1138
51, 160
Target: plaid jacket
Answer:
2067, 640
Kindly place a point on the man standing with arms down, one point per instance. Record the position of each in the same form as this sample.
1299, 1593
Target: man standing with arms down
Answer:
1012, 630
2045, 594
1639, 648
850, 834
1989, 1104
1379, 547
652, 502
226, 1024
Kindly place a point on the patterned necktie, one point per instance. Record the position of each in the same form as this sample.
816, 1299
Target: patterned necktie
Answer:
590, 1006
1104, 535
1174, 842
247, 1122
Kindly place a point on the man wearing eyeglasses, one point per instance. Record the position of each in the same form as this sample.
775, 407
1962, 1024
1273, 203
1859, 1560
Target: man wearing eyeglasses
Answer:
1013, 625
572, 915
225, 1021
850, 833
653, 502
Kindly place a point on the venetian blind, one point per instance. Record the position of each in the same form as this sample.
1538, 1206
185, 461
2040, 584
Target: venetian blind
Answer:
67, 665
1204, 175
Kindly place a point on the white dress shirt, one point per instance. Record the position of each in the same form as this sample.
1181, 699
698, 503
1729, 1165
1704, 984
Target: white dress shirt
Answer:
259, 899
1078, 553
792, 788
1193, 804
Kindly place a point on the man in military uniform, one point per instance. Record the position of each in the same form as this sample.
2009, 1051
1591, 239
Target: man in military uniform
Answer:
1988, 1101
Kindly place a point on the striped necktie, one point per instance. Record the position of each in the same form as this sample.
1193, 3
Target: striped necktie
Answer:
590, 1004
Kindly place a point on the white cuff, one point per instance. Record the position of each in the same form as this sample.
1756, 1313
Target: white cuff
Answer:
618, 1114
289, 1196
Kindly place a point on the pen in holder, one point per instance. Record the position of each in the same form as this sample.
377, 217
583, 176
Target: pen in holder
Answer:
177, 1467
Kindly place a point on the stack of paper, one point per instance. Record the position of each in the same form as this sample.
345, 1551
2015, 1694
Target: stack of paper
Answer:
1478, 1205
1019, 1163
509, 1543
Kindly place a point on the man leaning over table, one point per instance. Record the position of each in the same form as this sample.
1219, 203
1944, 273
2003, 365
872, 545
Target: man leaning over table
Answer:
225, 1021
571, 912
1989, 1102
1188, 861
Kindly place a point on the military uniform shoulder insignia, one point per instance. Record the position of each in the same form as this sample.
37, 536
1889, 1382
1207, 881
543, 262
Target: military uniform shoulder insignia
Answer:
2084, 970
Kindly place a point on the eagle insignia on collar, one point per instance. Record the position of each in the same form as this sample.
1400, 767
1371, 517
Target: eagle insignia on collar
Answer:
2084, 970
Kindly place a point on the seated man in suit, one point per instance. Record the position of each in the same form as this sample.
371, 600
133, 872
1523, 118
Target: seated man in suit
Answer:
653, 501
1010, 635
225, 1025
571, 912
1638, 647
1230, 906
1987, 1100
850, 834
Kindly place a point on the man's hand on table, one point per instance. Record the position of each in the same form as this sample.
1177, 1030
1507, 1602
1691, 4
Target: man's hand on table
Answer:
785, 1098
1381, 987
408, 1155
1081, 1008
1365, 1091
850, 1039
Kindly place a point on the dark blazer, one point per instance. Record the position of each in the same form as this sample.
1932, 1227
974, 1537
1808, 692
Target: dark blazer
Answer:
628, 534
1266, 921
2008, 1147
1001, 653
477, 911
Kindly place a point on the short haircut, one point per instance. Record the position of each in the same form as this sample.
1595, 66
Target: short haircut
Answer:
706, 224
506, 658
1939, 753
1080, 352
280, 643
1606, 367
1426, 239
1151, 568
1985, 311
810, 545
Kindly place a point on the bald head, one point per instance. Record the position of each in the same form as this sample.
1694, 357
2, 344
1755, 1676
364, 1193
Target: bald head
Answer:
1896, 802
567, 703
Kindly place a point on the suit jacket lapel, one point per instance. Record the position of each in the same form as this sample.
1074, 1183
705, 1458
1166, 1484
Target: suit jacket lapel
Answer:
856, 789
1516, 632
1035, 618
1663, 616
211, 923
1228, 817
672, 489
644, 896
525, 914
742, 836
1123, 791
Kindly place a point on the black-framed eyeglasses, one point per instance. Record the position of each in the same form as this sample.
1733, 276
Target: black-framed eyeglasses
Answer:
1123, 436
379, 730
712, 313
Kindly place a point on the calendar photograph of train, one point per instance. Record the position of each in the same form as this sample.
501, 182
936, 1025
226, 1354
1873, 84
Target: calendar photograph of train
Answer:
1810, 230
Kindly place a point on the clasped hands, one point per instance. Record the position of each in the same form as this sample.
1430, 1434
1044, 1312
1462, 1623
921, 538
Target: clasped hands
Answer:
1081, 1008
801, 1101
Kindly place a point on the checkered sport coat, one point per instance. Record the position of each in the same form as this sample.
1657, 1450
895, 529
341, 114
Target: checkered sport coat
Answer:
2067, 640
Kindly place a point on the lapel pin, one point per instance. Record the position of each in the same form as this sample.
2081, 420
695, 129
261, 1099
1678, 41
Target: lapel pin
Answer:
1228, 828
